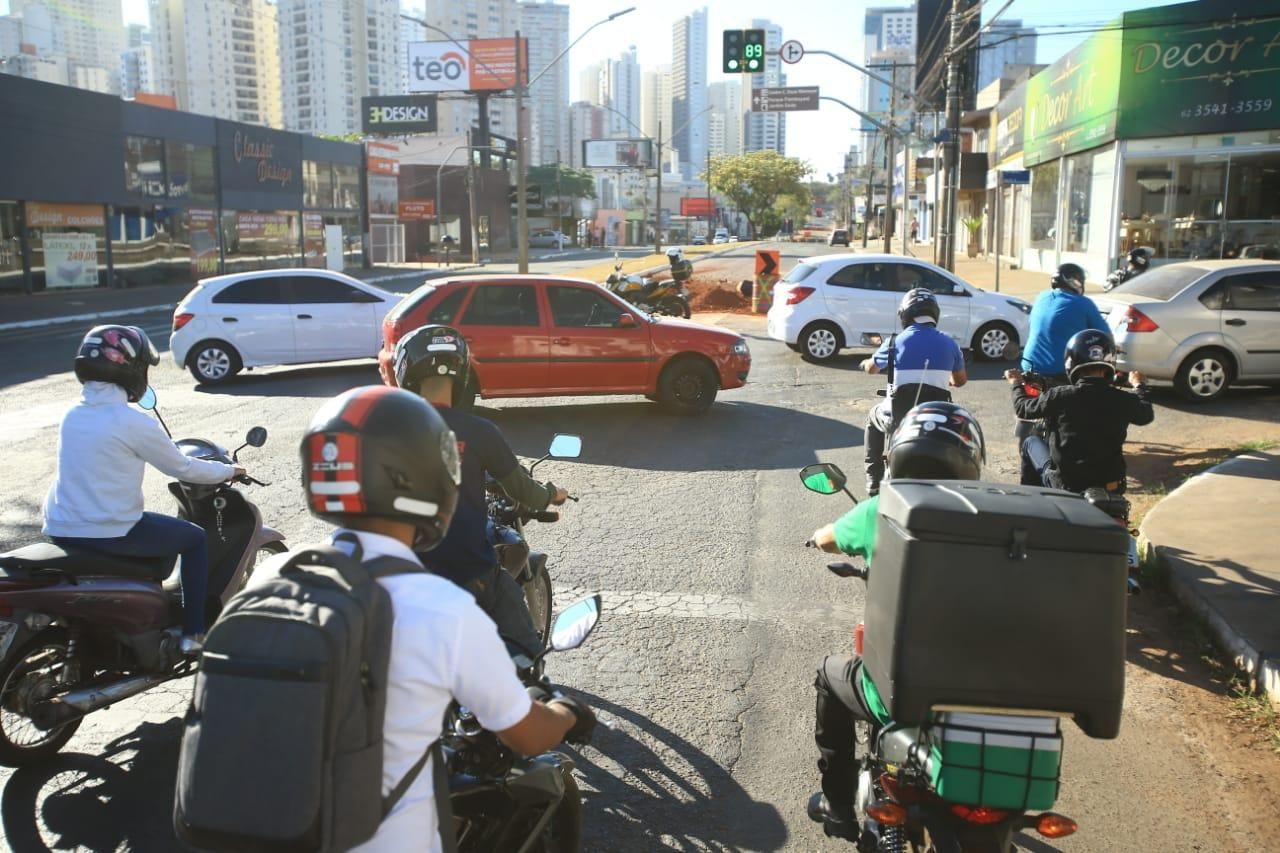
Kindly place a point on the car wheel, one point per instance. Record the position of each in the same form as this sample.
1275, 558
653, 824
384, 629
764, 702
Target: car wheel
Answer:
990, 341
212, 362
688, 386
1204, 375
821, 341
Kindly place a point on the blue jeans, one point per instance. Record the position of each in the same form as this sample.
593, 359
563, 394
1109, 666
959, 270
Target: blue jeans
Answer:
1037, 463
157, 535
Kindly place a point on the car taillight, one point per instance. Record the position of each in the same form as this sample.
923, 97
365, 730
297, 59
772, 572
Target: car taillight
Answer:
180, 320
979, 814
796, 295
1136, 321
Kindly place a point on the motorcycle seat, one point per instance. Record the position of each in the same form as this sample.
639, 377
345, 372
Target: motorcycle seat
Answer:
46, 556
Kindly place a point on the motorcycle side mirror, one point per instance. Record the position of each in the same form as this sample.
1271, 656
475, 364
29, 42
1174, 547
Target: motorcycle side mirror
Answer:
825, 478
571, 628
256, 437
626, 321
871, 339
148, 399
565, 446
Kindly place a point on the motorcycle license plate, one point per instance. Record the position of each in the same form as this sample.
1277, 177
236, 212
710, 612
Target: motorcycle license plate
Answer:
8, 630
1133, 553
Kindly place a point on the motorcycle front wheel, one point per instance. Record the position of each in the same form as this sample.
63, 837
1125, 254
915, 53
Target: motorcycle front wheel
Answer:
31, 675
537, 594
673, 307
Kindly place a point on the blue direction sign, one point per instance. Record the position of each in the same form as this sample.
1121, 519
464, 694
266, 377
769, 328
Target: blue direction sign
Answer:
1015, 176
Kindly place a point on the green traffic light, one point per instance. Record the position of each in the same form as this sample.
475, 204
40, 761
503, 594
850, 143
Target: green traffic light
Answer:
753, 64
733, 64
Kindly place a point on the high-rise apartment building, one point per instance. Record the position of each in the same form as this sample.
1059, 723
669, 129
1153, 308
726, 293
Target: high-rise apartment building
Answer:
655, 102
620, 88
136, 62
586, 121
31, 46
219, 59
765, 130
1004, 44
89, 34
689, 105
546, 26
890, 28
724, 130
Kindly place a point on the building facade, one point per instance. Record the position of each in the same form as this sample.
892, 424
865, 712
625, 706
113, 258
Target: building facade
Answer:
1002, 45
620, 93
655, 102
884, 29
137, 72
726, 122
546, 26
689, 91
765, 130
88, 34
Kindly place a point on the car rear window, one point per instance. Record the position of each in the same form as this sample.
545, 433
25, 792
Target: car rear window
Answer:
1162, 283
412, 301
268, 290
799, 272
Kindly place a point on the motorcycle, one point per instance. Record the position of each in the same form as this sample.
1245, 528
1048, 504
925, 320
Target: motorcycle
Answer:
897, 808
666, 298
80, 630
1122, 274
500, 800
507, 520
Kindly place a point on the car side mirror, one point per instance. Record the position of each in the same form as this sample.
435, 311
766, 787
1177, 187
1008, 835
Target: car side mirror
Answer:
626, 321
825, 478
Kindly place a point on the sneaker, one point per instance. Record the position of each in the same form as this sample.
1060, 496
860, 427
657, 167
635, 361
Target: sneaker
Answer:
191, 645
873, 488
834, 824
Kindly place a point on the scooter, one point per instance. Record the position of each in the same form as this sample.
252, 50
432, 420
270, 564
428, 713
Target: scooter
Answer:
655, 297
897, 806
80, 630
501, 801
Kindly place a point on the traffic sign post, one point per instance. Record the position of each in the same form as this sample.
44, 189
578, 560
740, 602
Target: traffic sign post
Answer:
791, 52
777, 99
767, 262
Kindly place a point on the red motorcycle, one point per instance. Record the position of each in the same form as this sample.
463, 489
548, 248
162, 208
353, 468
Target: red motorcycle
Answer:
80, 631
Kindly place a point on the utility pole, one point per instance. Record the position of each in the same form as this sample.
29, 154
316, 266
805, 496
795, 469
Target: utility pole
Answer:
471, 203
888, 166
951, 150
906, 189
522, 200
559, 209
657, 206
711, 210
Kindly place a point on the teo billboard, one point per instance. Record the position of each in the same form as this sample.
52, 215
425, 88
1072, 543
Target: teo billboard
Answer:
474, 65
617, 153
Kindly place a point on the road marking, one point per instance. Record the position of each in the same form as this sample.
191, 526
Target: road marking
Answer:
81, 318
716, 606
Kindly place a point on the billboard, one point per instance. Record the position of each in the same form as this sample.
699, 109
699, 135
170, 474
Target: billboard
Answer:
617, 153
398, 114
1071, 105
701, 206
474, 65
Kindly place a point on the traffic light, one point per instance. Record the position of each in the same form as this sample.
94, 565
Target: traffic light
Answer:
743, 51
733, 51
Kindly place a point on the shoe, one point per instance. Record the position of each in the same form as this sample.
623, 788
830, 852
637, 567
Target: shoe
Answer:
191, 645
873, 488
834, 824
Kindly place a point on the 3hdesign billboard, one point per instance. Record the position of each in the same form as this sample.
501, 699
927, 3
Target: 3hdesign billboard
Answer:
617, 153
396, 114
474, 65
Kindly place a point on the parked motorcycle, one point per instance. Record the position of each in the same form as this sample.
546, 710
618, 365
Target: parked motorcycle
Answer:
80, 631
528, 567
655, 297
500, 800
1137, 262
897, 806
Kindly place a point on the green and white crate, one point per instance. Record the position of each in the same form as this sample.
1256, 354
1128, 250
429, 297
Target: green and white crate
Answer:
995, 760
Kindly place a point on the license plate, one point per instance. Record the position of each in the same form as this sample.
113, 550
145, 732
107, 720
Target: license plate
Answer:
1133, 553
8, 630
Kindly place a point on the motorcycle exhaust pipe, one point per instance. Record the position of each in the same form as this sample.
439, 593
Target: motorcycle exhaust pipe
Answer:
90, 699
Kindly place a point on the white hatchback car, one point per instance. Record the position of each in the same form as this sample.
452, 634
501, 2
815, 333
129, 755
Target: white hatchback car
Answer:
285, 316
829, 302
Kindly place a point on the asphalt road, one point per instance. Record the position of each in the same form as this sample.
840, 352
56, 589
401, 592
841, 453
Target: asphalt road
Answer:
715, 615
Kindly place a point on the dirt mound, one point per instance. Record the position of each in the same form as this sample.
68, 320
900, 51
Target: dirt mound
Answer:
712, 293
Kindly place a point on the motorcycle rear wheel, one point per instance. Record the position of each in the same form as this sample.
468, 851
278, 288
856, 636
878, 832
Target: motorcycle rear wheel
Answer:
674, 307
30, 676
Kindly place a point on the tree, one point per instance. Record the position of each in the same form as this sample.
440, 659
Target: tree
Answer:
355, 137
574, 183
796, 204
754, 181
823, 193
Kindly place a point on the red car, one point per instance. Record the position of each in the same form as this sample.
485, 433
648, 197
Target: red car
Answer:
534, 336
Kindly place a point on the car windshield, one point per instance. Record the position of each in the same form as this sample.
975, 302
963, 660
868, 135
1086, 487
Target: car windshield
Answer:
411, 301
1162, 283
799, 272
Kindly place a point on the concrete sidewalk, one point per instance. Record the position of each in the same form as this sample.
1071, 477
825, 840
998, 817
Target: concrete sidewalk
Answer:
1216, 535
981, 271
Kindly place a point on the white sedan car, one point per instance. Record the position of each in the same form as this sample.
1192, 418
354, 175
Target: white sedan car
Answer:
830, 302
285, 316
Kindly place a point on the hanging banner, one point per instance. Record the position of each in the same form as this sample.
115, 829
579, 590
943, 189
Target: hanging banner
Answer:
313, 240
42, 215
202, 225
70, 260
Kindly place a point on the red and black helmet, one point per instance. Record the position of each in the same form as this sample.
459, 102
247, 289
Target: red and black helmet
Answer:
379, 452
937, 441
120, 355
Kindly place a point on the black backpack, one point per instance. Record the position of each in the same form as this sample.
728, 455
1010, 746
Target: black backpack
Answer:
282, 747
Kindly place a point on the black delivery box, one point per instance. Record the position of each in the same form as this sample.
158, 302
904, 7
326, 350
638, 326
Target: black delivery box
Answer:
997, 596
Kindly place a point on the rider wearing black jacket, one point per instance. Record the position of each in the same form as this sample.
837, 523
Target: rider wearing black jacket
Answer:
1087, 421
433, 362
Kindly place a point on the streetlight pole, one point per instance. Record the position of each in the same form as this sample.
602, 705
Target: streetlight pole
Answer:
522, 206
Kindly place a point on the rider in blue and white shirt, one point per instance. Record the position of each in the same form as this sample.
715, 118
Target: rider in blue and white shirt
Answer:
924, 362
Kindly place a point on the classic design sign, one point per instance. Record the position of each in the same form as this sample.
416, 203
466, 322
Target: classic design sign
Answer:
246, 147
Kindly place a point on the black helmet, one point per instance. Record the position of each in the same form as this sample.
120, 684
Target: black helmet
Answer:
379, 452
937, 441
916, 303
120, 355
1139, 257
432, 351
1090, 348
1069, 277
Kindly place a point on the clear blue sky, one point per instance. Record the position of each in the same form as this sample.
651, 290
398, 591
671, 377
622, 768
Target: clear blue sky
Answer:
836, 25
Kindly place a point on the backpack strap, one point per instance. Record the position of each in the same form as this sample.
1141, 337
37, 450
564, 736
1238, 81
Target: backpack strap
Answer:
440, 790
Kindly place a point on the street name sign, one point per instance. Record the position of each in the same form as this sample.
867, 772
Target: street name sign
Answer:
779, 99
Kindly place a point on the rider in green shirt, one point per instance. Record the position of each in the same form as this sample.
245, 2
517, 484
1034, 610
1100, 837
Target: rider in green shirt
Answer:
935, 441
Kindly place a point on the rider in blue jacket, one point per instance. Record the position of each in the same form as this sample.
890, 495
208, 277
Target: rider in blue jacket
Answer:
1059, 313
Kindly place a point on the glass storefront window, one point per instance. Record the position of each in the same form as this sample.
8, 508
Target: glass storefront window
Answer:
1079, 192
1044, 205
11, 275
144, 166
68, 245
1174, 205
317, 184
190, 171
150, 245
1252, 227
346, 186
260, 239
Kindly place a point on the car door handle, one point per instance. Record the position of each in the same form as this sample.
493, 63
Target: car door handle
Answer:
304, 316
230, 320
560, 342
1235, 322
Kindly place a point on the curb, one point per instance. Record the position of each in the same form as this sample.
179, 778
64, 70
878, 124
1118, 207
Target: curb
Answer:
1263, 668
82, 318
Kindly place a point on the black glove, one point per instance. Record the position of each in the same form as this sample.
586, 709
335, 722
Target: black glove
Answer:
586, 724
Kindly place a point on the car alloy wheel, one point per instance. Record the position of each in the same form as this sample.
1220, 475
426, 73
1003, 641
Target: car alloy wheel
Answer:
821, 343
213, 363
1206, 377
992, 342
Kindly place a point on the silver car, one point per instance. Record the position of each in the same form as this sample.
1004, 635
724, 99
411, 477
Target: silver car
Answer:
1201, 324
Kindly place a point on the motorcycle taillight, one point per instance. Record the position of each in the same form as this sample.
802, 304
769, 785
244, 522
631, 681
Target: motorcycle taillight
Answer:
981, 815
858, 635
